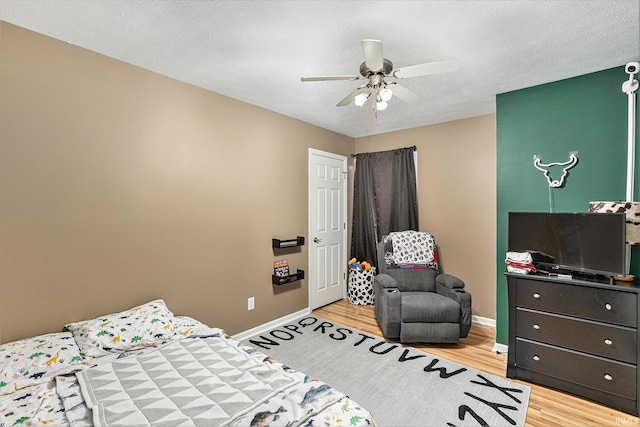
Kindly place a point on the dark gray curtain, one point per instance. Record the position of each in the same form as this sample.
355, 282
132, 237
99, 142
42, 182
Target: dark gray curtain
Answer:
384, 199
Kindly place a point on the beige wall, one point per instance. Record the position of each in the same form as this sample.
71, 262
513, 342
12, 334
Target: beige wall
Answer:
456, 197
119, 185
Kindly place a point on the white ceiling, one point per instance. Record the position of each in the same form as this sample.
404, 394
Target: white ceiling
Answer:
256, 51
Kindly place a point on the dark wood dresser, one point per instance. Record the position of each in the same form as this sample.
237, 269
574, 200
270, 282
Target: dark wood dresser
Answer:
577, 336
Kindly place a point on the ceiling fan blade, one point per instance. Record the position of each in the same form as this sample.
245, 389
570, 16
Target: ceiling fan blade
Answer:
403, 93
426, 69
323, 78
372, 54
349, 99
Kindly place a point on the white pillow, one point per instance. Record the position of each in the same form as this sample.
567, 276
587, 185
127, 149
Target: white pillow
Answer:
34, 360
186, 326
149, 324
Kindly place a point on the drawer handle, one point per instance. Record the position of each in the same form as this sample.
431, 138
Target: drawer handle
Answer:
608, 306
607, 341
536, 295
536, 357
608, 377
536, 326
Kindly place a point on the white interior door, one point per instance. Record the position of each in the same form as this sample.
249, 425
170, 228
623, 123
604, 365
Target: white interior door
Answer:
327, 228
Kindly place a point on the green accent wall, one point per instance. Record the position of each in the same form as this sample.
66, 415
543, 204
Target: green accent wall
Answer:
587, 114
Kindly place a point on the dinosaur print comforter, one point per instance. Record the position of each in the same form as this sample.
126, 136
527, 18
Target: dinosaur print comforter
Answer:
200, 379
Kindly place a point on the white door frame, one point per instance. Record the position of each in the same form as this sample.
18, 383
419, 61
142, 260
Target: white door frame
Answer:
315, 152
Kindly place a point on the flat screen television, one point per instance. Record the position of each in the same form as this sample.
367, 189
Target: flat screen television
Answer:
588, 243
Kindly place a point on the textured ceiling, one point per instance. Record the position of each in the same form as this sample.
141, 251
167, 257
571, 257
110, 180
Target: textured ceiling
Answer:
256, 51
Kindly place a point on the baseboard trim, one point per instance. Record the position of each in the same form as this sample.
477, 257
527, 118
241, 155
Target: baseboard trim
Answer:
500, 348
270, 325
483, 321
497, 347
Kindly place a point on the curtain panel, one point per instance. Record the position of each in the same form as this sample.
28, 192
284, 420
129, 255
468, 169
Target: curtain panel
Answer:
384, 199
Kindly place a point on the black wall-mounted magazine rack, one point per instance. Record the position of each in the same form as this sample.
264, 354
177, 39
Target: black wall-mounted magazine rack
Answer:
290, 243
276, 280
284, 244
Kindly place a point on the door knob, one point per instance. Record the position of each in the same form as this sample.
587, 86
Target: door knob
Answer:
316, 240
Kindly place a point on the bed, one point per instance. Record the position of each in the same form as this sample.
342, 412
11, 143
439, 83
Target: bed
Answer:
147, 367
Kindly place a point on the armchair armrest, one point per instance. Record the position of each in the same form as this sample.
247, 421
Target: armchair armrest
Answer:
463, 298
451, 282
386, 281
387, 302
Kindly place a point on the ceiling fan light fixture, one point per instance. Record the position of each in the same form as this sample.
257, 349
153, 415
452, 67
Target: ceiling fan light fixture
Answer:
375, 69
385, 94
361, 98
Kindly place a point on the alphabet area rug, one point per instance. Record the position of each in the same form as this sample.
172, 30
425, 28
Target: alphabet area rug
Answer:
400, 386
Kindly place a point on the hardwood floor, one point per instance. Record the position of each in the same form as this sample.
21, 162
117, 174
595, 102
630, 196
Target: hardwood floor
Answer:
547, 407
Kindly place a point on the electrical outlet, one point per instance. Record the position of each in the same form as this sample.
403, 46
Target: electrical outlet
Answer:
251, 303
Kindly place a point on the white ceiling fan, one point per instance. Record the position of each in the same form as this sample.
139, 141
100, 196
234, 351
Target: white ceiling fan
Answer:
375, 68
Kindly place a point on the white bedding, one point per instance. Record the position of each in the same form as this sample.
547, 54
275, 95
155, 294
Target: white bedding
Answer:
38, 387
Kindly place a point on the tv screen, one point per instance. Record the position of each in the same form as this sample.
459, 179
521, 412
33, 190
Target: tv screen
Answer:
578, 242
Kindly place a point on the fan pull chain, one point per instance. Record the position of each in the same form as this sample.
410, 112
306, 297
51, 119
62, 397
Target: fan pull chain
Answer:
375, 113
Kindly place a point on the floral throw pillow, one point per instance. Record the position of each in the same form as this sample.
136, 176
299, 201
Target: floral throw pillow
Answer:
149, 324
34, 360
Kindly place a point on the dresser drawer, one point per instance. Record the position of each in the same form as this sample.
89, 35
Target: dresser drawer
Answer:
605, 305
590, 371
612, 341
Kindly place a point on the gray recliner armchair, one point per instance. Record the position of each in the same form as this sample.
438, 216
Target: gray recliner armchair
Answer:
420, 305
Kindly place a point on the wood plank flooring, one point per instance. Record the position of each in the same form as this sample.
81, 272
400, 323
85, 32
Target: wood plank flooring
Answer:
547, 407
